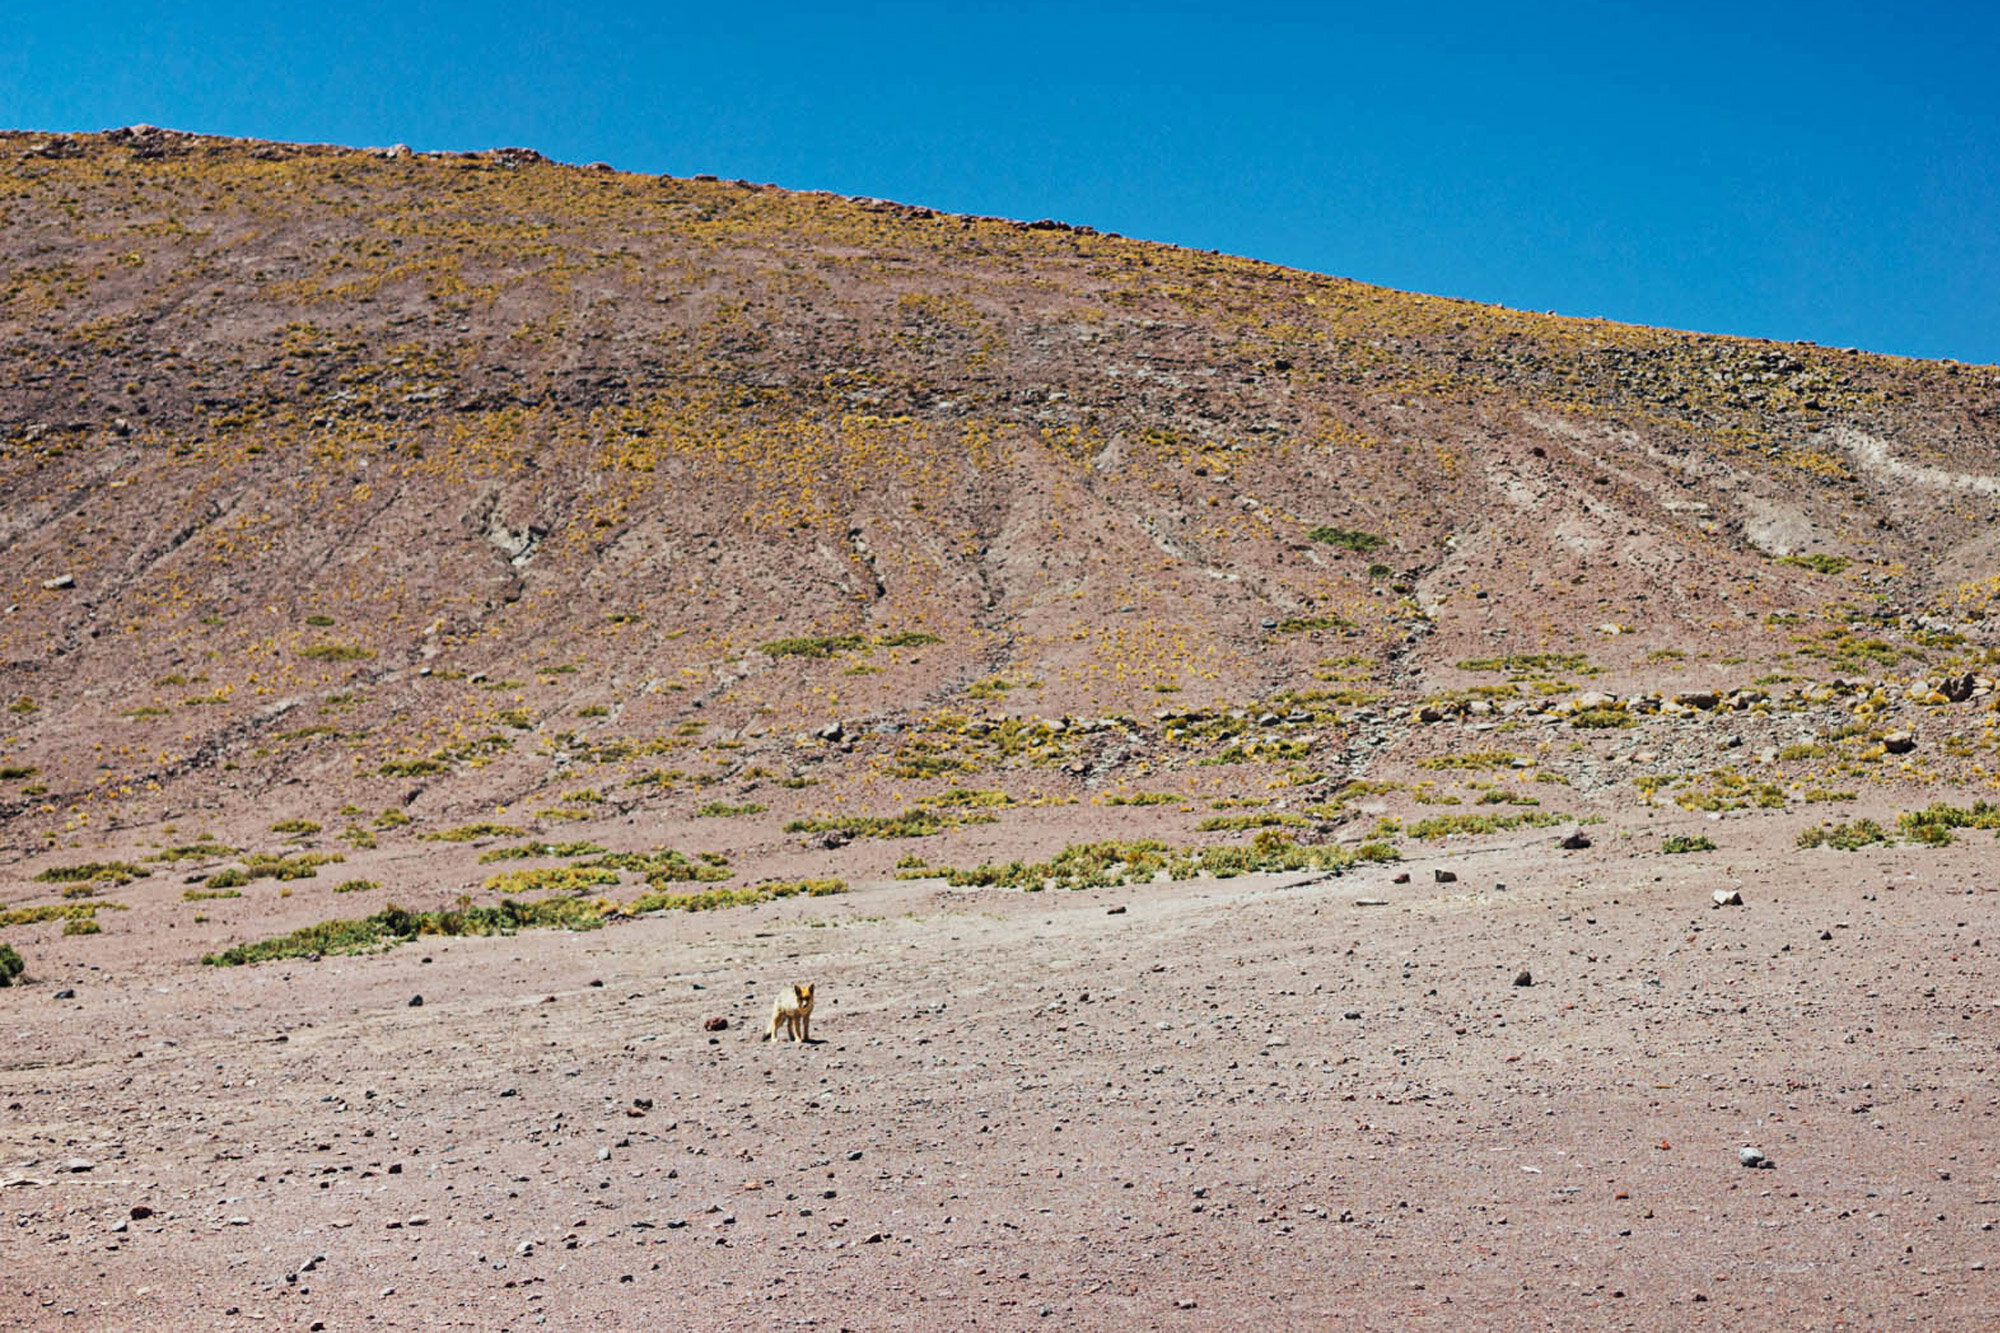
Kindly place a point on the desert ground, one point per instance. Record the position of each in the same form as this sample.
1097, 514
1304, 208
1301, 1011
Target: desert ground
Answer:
660, 591
1286, 1100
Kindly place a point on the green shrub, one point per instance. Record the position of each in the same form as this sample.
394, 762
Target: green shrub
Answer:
11, 965
14, 772
908, 824
1361, 543
1145, 798
1845, 837
203, 895
107, 872
535, 849
552, 879
337, 652
356, 886
1443, 826
300, 827
822, 645
469, 832
1675, 843
710, 899
723, 810
1819, 564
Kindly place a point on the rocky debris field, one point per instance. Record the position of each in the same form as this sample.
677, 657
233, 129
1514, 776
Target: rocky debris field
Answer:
1561, 1088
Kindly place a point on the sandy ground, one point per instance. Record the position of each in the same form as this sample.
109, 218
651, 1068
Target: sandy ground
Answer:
1253, 1101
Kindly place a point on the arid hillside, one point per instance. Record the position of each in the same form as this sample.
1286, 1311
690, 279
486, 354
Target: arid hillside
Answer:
473, 628
360, 482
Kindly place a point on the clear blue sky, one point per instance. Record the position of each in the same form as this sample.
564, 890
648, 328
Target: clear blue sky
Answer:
1827, 171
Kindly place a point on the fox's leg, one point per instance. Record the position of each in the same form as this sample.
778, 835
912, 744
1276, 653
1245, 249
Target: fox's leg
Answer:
805, 1025
777, 1012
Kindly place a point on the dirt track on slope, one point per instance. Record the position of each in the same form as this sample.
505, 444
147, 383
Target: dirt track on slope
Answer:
1233, 1102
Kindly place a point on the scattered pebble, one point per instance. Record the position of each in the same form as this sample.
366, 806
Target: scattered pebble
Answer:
1754, 1159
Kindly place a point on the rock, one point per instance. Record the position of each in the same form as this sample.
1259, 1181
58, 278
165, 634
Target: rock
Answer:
1371, 902
1575, 840
1115, 911
416, 1002
1697, 699
59, 582
79, 1165
1444, 876
1402, 877
1727, 898
832, 731
834, 839
1590, 699
66, 993
604, 1154
1524, 978
140, 1212
1754, 1159
1899, 742
1958, 689
716, 1024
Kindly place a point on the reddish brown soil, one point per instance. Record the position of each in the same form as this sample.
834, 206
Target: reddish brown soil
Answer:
1235, 1101
390, 495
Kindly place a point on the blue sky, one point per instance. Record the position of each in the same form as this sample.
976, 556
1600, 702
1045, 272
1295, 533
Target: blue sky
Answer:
1825, 171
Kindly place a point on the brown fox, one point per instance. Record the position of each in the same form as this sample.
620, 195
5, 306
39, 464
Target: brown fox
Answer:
793, 1012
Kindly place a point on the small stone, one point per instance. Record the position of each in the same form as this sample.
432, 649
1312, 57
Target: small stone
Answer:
1444, 877
604, 1154
717, 1023
1402, 877
59, 582
140, 1212
1371, 902
416, 1002
66, 993
1115, 911
1575, 841
1727, 898
1524, 978
1899, 742
1754, 1159
79, 1165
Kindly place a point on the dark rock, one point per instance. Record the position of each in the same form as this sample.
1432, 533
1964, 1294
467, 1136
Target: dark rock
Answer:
716, 1024
1575, 841
1524, 978
416, 1002
1444, 876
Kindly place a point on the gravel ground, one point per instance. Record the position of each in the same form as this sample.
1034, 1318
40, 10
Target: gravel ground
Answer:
1259, 1100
